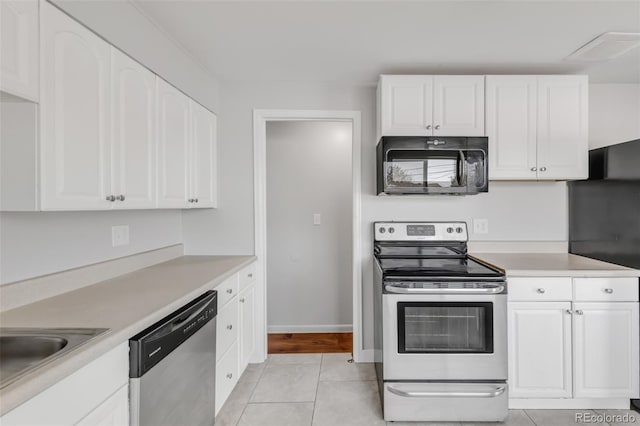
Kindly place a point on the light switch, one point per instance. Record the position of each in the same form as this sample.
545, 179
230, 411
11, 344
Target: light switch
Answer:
317, 219
119, 235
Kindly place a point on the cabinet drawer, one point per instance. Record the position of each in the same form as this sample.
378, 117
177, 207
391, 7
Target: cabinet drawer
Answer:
543, 288
606, 289
226, 328
227, 290
247, 276
226, 375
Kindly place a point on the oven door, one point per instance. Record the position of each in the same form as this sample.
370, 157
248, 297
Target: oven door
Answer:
444, 337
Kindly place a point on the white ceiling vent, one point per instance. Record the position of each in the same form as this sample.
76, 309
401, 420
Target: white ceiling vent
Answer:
606, 46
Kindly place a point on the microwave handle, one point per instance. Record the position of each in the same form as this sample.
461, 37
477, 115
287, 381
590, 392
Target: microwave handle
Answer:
463, 167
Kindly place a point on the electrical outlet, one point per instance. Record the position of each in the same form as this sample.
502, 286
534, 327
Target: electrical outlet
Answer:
119, 235
480, 226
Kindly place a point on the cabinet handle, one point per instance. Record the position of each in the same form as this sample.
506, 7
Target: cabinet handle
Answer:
541, 290
229, 290
250, 275
569, 311
543, 169
195, 200
579, 311
230, 327
242, 300
120, 197
534, 169
111, 198
608, 290
229, 375
437, 126
428, 126
190, 200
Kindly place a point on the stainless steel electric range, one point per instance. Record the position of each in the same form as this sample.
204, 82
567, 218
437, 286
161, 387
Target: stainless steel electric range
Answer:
441, 325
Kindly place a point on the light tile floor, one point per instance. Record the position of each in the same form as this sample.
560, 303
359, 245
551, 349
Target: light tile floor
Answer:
326, 390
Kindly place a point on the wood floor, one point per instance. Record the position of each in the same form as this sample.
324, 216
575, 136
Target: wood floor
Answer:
305, 343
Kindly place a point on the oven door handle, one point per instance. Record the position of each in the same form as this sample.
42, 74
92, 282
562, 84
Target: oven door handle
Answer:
404, 290
447, 394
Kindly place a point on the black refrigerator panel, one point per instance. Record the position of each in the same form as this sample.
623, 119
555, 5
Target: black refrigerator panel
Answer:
621, 161
604, 220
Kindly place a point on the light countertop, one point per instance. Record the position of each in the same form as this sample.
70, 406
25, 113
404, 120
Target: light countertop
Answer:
553, 265
126, 305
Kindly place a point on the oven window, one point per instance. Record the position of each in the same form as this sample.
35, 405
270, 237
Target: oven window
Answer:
445, 327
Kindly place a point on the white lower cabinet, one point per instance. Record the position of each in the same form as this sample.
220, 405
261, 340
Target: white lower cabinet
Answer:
96, 394
540, 349
578, 350
235, 330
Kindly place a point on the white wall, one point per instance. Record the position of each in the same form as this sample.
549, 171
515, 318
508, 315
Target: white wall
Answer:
516, 211
309, 266
33, 244
614, 114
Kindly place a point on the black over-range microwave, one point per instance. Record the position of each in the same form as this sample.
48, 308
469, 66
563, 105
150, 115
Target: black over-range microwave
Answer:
432, 165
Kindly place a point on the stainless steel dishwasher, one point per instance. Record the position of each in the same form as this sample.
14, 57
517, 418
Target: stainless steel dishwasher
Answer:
172, 367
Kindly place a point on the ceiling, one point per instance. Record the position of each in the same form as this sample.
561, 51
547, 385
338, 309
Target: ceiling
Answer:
355, 41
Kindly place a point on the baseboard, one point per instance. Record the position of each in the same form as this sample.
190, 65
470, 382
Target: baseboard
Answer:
570, 403
19, 293
337, 328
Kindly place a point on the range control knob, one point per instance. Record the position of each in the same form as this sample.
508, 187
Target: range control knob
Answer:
382, 230
392, 230
459, 230
450, 230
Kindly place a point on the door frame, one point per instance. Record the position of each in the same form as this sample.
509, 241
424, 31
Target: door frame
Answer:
260, 119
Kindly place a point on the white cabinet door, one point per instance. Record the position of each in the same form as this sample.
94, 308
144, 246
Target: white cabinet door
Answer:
74, 110
247, 314
133, 89
539, 349
458, 105
406, 105
511, 126
112, 412
226, 375
606, 350
173, 146
19, 48
562, 127
203, 157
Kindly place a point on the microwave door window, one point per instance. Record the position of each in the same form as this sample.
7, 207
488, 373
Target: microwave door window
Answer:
442, 172
405, 174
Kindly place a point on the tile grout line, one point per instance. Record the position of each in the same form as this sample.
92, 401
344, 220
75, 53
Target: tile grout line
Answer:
530, 418
315, 399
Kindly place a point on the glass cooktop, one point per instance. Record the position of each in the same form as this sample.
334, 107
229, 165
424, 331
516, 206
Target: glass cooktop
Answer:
441, 267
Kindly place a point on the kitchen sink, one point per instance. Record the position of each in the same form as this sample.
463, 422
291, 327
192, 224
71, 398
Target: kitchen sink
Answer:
24, 349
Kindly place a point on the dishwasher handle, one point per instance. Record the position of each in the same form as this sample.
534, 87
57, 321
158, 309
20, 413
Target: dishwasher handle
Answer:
149, 347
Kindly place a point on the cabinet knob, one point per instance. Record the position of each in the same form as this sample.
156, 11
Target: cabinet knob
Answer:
437, 126
120, 197
195, 200
250, 275
230, 327
190, 200
428, 126
534, 169
229, 375
111, 198
229, 290
608, 290
242, 300
579, 311
541, 290
569, 311
543, 169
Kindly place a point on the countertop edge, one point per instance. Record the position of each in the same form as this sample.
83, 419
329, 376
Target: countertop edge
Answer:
41, 379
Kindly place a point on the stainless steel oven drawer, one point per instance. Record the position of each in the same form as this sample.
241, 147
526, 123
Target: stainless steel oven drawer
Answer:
429, 401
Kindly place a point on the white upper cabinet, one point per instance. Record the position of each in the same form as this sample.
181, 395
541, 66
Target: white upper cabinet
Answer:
19, 48
458, 105
173, 146
74, 111
425, 105
133, 113
203, 157
606, 350
537, 127
405, 105
511, 126
563, 145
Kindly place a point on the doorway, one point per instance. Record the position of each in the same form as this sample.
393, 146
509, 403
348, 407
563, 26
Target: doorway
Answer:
307, 208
